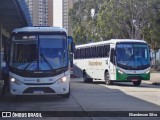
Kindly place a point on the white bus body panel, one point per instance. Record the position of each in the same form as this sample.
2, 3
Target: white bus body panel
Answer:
95, 68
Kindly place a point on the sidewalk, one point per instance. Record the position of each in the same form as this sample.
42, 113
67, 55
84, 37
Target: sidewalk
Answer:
155, 79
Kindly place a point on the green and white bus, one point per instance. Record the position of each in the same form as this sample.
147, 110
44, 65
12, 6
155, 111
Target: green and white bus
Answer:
114, 60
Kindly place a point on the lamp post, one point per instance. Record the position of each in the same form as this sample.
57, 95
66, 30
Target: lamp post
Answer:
92, 13
92, 16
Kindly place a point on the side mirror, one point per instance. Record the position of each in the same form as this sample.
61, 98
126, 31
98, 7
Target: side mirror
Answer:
72, 47
72, 44
70, 39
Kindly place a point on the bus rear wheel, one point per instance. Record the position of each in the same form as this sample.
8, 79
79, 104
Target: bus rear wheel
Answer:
108, 82
86, 80
137, 83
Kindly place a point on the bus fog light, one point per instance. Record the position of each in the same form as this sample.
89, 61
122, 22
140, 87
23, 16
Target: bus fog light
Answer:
64, 89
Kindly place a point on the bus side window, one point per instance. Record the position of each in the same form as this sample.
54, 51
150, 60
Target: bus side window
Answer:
82, 53
90, 52
99, 51
93, 52
106, 50
76, 54
87, 53
103, 51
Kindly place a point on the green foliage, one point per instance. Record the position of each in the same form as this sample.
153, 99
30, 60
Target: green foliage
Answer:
132, 19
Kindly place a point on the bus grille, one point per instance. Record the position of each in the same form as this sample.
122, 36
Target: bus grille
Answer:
134, 77
44, 89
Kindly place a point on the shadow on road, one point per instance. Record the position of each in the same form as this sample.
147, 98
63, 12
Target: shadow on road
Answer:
33, 98
88, 97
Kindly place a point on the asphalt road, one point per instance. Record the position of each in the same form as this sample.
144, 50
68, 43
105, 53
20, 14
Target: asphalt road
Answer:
95, 96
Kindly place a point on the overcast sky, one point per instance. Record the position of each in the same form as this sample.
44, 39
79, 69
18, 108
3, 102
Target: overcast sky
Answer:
57, 13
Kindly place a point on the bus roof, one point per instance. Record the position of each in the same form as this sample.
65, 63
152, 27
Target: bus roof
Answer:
112, 41
39, 29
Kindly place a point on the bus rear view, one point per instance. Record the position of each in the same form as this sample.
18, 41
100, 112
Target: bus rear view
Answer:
39, 61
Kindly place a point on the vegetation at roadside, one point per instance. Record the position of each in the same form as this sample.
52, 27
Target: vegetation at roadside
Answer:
99, 20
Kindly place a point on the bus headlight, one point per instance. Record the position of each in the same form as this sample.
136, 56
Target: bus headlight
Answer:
62, 80
16, 81
120, 71
147, 71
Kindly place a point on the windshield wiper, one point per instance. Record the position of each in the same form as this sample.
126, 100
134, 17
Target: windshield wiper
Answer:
25, 68
44, 58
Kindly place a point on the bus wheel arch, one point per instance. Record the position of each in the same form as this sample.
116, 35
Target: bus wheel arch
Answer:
107, 78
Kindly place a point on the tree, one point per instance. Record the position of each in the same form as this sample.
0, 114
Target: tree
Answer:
132, 19
81, 20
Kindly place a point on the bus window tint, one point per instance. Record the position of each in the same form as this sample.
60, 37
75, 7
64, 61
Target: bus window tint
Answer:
100, 51
52, 48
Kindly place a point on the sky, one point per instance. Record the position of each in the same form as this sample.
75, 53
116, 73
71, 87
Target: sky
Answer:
57, 15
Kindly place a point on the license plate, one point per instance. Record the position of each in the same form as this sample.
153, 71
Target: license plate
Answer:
38, 92
134, 80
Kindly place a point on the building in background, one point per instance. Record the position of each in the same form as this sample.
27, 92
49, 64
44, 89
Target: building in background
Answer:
57, 13
38, 11
51, 13
60, 13
65, 14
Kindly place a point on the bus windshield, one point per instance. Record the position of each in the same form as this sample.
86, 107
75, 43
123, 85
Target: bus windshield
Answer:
132, 56
43, 52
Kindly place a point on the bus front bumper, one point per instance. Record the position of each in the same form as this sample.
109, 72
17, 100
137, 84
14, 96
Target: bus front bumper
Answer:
53, 89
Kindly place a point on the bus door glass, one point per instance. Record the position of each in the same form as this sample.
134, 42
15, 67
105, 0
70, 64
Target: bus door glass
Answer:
112, 67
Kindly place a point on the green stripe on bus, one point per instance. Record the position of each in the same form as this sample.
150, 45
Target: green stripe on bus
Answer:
123, 76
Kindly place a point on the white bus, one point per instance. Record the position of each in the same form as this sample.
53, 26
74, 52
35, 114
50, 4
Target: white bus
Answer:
39, 61
113, 60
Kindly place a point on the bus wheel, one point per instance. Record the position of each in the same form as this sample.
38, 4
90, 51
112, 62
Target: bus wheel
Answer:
108, 82
137, 83
86, 80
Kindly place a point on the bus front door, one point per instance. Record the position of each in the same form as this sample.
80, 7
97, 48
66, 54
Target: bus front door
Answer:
112, 68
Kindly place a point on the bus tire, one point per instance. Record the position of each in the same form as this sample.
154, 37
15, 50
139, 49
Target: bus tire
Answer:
86, 80
137, 83
106, 76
